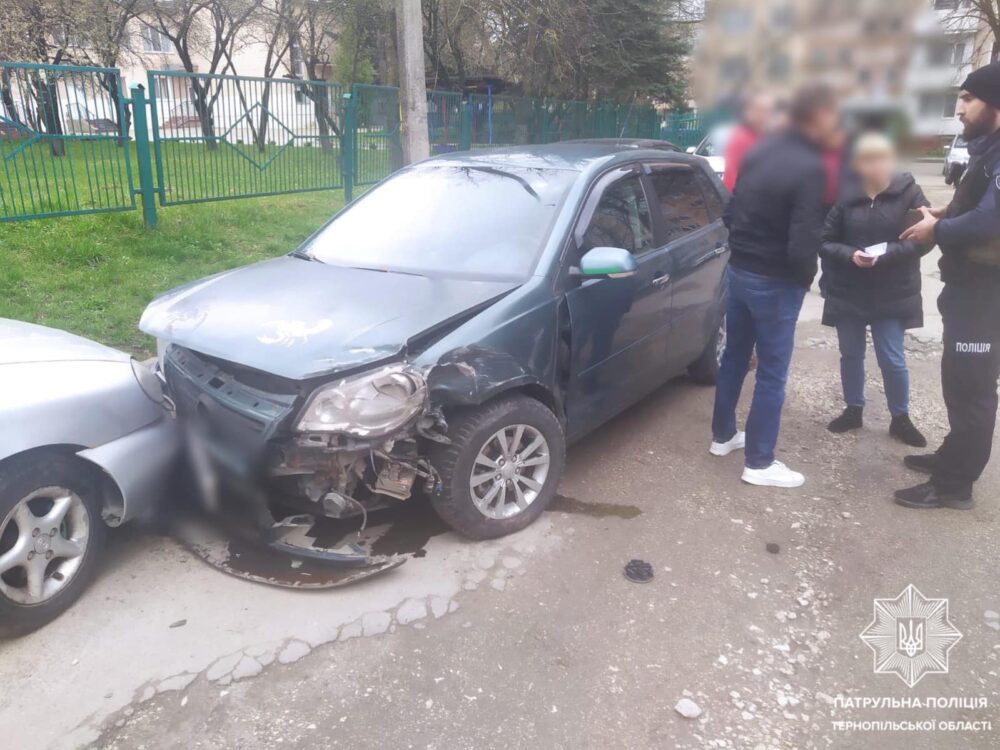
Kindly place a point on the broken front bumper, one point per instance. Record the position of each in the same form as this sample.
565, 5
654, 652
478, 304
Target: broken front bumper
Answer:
241, 435
236, 437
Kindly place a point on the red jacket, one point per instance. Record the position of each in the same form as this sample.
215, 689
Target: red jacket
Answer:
741, 140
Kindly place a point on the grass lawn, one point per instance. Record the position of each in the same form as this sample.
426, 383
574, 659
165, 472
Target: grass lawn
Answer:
94, 274
95, 173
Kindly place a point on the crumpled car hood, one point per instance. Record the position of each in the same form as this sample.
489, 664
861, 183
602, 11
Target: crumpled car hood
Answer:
298, 319
22, 343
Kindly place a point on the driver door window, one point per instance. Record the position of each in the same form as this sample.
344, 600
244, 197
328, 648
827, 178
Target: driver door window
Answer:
621, 219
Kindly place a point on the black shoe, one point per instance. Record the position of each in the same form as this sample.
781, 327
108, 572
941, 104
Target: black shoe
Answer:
925, 463
850, 419
928, 496
902, 428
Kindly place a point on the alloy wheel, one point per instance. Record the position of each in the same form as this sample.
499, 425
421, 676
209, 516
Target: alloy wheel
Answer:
42, 544
509, 471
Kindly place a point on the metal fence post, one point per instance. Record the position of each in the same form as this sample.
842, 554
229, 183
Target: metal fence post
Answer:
465, 136
147, 190
542, 118
154, 121
347, 148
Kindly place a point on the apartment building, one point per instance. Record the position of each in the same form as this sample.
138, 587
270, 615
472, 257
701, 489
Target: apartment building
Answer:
861, 47
882, 56
950, 43
152, 50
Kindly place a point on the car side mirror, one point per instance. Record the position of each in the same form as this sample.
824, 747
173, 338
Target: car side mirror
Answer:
691, 149
606, 262
947, 148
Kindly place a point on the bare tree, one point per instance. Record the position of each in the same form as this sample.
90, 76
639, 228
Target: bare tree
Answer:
316, 38
274, 27
210, 29
976, 16
107, 39
39, 31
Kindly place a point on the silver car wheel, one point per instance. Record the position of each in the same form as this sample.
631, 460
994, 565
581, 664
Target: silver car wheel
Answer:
720, 341
509, 471
42, 544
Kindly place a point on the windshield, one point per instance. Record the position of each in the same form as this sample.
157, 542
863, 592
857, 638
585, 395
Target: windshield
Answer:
714, 143
476, 221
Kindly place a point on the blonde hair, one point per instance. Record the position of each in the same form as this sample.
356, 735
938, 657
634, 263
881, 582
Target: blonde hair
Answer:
873, 144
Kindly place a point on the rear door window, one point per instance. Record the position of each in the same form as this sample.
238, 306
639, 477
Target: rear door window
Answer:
681, 199
713, 201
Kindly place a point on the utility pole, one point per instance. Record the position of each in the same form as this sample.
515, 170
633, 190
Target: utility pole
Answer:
412, 85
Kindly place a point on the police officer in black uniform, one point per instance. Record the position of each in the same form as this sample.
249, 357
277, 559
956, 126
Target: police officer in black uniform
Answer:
968, 233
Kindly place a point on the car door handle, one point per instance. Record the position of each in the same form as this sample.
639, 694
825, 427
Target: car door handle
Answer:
661, 281
714, 253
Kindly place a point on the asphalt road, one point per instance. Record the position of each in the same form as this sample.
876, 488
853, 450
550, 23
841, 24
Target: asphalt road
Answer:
537, 640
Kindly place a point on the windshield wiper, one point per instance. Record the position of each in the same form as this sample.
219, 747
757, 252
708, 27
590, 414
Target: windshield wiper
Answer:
300, 253
520, 180
383, 269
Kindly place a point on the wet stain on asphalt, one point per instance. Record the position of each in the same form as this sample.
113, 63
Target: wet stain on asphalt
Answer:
403, 530
565, 504
412, 527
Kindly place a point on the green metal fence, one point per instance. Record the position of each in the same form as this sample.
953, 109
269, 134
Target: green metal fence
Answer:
73, 141
377, 145
217, 137
63, 142
686, 130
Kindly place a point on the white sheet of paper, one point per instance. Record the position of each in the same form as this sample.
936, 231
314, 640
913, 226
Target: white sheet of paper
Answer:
876, 251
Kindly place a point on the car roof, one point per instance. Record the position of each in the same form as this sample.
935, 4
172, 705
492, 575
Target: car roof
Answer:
628, 143
570, 155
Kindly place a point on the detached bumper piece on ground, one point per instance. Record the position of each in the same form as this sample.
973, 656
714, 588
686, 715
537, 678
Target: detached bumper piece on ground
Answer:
290, 554
639, 571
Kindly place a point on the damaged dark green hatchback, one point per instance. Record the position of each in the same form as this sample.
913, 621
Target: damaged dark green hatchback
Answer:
452, 330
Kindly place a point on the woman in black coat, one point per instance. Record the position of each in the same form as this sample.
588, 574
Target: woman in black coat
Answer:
871, 278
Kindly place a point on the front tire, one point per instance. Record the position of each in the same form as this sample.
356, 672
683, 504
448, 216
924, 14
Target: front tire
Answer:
51, 538
501, 469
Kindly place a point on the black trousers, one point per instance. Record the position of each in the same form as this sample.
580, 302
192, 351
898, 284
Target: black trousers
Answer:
970, 365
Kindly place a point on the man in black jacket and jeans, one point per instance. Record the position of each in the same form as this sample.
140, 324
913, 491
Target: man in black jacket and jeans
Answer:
774, 219
968, 233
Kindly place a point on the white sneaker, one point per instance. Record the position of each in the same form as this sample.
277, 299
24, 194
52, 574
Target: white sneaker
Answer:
775, 475
735, 443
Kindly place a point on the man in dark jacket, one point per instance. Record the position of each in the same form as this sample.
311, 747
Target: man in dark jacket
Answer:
968, 233
774, 219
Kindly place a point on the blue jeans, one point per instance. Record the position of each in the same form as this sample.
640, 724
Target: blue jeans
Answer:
760, 311
887, 335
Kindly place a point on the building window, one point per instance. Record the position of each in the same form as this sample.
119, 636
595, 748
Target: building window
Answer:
736, 20
940, 104
734, 69
945, 4
154, 40
946, 53
950, 104
782, 17
778, 68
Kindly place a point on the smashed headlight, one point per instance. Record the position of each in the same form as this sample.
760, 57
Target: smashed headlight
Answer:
367, 405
